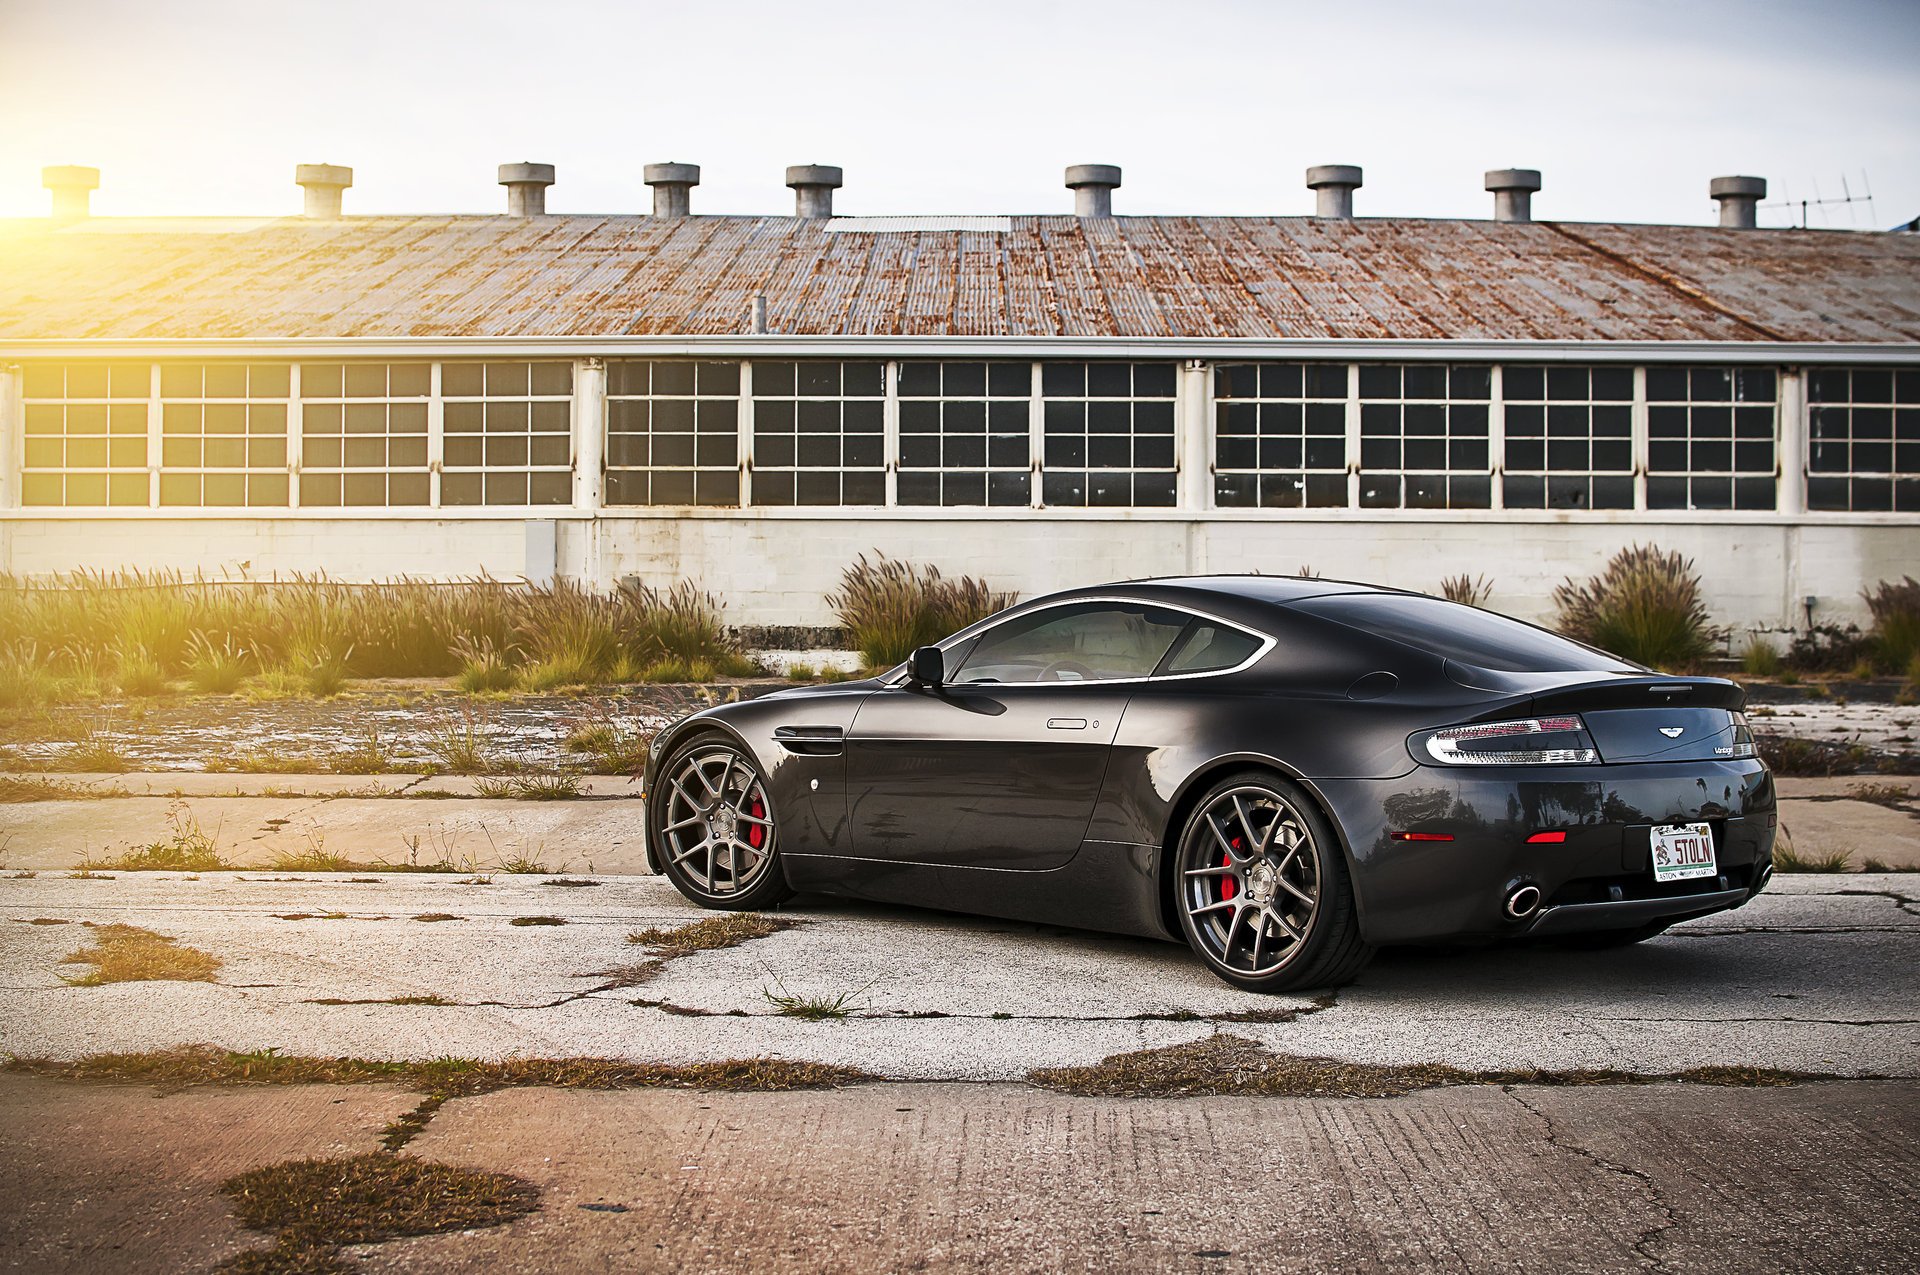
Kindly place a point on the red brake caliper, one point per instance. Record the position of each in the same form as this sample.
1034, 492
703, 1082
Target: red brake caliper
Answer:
1228, 886
757, 833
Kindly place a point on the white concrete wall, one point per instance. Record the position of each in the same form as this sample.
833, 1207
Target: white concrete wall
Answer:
775, 566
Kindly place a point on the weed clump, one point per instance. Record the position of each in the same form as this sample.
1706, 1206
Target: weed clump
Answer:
1895, 606
128, 954
1645, 607
710, 934
1225, 1064
890, 607
1472, 591
1760, 657
186, 848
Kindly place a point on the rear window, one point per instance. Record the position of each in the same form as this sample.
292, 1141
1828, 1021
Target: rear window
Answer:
1463, 634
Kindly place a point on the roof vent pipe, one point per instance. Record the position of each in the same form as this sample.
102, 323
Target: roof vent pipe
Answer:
1334, 185
323, 184
72, 186
813, 187
672, 188
526, 188
1513, 192
1739, 200
1093, 186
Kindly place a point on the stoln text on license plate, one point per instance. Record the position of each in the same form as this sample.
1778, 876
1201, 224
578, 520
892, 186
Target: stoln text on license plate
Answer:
1683, 851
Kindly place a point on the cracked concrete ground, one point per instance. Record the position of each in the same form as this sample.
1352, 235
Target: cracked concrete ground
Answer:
1008, 1178
1816, 975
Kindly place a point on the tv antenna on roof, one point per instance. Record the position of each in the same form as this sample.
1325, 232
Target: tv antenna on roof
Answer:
1846, 197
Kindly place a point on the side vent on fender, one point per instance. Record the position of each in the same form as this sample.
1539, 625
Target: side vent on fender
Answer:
811, 741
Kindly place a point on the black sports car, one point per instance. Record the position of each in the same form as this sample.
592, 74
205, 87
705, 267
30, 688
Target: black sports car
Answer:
1288, 773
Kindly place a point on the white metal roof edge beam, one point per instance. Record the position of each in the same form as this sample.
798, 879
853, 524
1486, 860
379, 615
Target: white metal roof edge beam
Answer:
775, 345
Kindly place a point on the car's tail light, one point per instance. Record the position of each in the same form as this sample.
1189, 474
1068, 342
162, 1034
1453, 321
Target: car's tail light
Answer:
1528, 741
1741, 745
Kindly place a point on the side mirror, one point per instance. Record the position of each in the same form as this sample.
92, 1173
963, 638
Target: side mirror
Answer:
928, 666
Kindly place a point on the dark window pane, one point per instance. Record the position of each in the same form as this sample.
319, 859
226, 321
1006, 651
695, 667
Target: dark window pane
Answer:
920, 380
1666, 385
1153, 380
366, 380
774, 378
1326, 380
1064, 380
864, 380
673, 378
463, 380
320, 380
410, 380
1010, 380
1379, 381
964, 379
1109, 380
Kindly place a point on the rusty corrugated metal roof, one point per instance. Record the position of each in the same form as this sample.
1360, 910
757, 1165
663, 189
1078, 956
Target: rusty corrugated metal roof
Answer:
1293, 278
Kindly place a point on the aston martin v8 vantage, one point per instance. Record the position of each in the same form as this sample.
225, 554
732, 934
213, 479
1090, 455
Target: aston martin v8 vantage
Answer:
1283, 773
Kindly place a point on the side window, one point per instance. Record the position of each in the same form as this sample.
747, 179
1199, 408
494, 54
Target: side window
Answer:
1210, 647
1096, 642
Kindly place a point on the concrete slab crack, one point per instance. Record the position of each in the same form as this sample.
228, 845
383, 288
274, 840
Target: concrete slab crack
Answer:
1907, 904
1644, 1242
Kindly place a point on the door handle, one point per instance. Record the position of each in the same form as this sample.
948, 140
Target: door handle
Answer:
1066, 723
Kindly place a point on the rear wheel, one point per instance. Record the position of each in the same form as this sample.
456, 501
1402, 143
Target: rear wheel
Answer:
1263, 891
716, 834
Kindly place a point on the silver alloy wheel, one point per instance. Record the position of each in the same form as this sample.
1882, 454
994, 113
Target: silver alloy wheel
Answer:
1250, 880
717, 827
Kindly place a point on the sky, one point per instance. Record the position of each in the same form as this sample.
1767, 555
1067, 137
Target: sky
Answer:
204, 107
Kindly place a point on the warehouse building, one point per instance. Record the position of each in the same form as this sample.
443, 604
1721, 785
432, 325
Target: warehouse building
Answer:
1044, 401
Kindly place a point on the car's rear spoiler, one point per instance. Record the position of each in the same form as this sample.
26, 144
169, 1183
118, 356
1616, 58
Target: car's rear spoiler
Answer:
1572, 692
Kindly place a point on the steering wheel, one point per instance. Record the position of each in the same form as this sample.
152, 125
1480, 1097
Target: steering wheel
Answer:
1052, 672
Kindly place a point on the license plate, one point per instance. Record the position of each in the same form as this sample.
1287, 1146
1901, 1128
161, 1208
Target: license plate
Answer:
1683, 851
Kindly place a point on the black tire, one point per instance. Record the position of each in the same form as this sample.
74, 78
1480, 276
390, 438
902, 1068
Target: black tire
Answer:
1290, 852
1599, 940
714, 828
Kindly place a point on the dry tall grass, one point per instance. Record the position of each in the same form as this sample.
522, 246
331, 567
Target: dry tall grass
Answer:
85, 633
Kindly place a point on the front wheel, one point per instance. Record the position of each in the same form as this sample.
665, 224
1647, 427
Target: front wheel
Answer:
716, 833
1263, 890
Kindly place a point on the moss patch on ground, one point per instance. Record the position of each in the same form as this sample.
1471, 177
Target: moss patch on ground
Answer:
1226, 1064
452, 1077
128, 954
318, 1205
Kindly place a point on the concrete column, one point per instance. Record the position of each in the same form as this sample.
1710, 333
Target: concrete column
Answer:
13, 431
1334, 185
1193, 430
323, 184
72, 186
589, 433
1791, 456
1739, 199
1093, 186
1513, 192
813, 187
673, 188
526, 188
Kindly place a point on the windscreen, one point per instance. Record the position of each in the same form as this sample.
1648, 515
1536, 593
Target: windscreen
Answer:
1463, 634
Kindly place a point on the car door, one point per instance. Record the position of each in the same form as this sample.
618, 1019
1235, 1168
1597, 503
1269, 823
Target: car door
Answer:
1001, 766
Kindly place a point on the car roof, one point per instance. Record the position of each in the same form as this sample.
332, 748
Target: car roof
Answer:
1271, 590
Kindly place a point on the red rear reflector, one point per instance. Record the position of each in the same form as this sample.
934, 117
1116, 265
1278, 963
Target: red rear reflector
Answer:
1421, 836
1546, 838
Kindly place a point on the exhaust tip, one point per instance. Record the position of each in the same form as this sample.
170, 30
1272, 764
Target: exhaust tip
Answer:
1523, 902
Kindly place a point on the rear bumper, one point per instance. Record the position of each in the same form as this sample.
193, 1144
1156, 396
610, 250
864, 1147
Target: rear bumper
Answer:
1600, 877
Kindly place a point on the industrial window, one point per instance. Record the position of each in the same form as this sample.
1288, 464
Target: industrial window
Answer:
1280, 435
1109, 434
1423, 436
1710, 437
673, 433
223, 435
819, 433
1569, 437
364, 434
86, 434
508, 434
965, 434
1863, 439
